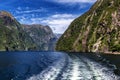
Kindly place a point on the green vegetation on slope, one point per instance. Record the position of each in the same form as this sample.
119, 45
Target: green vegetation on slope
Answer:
12, 35
41, 35
98, 30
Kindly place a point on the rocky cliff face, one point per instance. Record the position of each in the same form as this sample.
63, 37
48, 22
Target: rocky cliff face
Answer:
42, 36
98, 30
12, 35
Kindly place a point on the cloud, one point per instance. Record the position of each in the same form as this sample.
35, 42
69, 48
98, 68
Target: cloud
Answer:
75, 1
28, 20
59, 22
19, 8
79, 4
58, 26
62, 16
26, 10
30, 11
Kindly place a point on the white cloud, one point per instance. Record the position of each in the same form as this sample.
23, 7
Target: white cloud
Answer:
29, 11
59, 22
72, 3
62, 16
58, 25
19, 8
35, 20
75, 1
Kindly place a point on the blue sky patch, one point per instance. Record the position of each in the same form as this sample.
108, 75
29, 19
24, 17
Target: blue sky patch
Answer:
58, 14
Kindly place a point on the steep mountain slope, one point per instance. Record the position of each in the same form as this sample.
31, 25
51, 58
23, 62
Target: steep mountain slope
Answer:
12, 35
42, 36
98, 30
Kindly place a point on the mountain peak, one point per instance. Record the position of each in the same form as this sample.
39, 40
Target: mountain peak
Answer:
6, 18
6, 14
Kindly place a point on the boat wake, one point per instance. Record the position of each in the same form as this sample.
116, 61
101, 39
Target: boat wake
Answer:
76, 68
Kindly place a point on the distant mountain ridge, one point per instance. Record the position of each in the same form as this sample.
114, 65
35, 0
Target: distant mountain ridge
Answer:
98, 30
17, 37
12, 35
42, 35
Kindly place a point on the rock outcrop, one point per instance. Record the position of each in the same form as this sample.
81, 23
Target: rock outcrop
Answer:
17, 37
98, 30
42, 36
12, 35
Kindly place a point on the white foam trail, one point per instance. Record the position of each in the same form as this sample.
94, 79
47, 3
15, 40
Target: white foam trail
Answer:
51, 72
76, 73
81, 68
78, 68
101, 72
72, 72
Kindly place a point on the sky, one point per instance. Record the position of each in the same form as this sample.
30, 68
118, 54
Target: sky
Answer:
58, 14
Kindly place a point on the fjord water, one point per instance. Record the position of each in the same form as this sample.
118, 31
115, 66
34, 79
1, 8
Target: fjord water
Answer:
54, 66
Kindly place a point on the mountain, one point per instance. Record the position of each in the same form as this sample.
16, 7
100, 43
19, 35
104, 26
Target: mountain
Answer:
98, 30
12, 35
41, 35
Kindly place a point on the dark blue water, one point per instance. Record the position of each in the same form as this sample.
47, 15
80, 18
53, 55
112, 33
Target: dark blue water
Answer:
52, 66
22, 65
